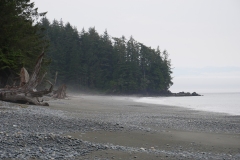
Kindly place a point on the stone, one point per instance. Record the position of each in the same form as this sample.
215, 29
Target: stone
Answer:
40, 148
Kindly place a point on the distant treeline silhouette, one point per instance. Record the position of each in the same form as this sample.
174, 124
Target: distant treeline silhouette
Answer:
87, 60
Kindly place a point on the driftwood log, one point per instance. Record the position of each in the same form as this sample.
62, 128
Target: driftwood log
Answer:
61, 92
26, 92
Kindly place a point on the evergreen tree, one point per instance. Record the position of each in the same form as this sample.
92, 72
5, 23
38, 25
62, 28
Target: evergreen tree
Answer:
118, 84
88, 60
133, 65
167, 70
144, 67
106, 59
20, 40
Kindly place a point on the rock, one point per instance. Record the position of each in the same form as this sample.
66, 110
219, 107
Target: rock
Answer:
185, 94
40, 148
195, 94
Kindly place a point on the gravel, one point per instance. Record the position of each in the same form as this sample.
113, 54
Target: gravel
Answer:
33, 132
38, 133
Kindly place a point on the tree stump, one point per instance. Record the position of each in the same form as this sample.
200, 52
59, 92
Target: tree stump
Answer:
61, 92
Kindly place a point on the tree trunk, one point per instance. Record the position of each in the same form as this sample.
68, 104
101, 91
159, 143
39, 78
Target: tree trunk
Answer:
26, 92
61, 92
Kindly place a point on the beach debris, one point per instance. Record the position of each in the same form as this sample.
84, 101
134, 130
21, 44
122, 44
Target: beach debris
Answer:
40, 148
23, 106
26, 92
152, 148
60, 93
68, 136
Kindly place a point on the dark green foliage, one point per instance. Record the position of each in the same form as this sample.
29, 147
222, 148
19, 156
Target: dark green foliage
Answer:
83, 60
20, 36
88, 60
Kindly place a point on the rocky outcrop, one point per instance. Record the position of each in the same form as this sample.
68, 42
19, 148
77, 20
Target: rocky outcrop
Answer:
186, 94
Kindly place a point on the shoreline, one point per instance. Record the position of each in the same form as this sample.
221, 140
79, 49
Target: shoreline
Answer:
110, 127
207, 103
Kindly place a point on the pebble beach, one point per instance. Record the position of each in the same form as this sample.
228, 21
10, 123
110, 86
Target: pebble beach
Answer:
115, 127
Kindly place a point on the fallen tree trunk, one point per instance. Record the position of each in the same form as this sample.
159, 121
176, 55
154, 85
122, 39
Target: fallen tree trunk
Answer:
26, 92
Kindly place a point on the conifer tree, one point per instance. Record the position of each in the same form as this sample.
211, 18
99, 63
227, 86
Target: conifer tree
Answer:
20, 40
88, 60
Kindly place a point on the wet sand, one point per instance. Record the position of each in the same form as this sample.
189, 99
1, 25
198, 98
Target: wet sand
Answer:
150, 131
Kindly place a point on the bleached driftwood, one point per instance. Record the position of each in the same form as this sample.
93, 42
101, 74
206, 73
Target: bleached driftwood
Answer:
24, 77
26, 92
61, 92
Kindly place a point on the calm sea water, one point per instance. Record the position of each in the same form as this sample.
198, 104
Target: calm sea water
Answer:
213, 102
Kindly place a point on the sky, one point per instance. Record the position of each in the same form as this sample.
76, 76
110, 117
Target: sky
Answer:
202, 37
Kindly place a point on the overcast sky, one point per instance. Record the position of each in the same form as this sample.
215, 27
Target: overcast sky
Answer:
200, 35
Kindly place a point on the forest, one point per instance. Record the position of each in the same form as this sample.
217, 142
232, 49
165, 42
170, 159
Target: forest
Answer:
85, 60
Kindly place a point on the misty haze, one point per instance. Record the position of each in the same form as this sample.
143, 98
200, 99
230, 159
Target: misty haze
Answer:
119, 79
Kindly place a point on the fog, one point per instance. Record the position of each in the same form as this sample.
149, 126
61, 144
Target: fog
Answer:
206, 80
196, 33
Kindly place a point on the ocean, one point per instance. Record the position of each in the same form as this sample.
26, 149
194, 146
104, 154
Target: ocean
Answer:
213, 102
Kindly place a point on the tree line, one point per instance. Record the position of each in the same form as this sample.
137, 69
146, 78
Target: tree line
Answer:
21, 39
89, 60
84, 60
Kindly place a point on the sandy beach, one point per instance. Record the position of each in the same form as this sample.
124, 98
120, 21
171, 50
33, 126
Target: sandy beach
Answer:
115, 127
